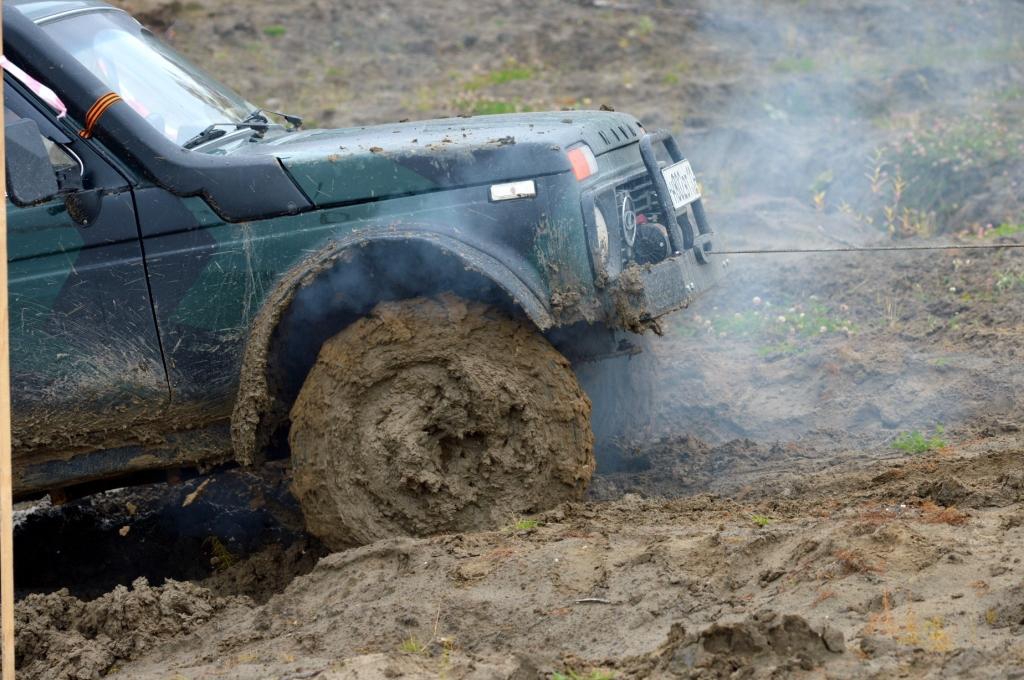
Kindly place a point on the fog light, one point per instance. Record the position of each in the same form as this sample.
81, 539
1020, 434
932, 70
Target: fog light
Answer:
513, 190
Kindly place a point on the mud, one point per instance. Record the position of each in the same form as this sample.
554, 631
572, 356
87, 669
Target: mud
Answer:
436, 415
853, 574
60, 636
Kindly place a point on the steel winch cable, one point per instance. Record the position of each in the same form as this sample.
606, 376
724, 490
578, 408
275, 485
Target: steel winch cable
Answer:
871, 249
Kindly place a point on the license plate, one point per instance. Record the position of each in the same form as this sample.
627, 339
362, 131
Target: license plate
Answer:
682, 184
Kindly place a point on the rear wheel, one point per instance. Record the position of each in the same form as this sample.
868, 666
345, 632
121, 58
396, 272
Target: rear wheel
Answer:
432, 416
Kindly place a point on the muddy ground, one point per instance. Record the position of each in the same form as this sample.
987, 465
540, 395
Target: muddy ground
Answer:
829, 479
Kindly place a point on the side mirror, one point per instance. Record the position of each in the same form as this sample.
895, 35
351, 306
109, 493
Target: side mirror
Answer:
30, 175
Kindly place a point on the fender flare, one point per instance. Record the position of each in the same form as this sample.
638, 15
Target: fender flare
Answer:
257, 411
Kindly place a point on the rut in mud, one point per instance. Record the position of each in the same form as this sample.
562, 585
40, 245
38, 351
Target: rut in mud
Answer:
430, 416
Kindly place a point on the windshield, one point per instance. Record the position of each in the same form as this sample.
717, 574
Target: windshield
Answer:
175, 97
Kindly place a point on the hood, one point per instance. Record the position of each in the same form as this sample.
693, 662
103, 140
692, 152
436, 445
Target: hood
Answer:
357, 164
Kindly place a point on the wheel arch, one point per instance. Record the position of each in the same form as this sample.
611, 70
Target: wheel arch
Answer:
340, 282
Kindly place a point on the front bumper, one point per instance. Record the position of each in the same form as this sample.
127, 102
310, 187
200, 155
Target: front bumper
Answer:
643, 292
693, 268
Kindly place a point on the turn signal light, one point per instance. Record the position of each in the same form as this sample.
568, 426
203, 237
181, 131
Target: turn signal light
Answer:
583, 162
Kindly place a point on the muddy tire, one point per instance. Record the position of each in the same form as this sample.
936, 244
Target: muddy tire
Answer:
433, 416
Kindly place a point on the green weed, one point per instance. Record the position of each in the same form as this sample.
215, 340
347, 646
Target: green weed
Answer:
794, 65
501, 76
761, 520
525, 525
780, 325
274, 31
1008, 280
220, 557
644, 26
575, 675
1005, 229
916, 442
412, 646
485, 106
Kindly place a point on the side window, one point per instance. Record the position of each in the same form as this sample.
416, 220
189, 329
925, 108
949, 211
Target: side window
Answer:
67, 168
60, 157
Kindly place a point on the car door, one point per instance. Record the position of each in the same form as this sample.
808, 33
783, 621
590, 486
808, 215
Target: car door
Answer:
87, 368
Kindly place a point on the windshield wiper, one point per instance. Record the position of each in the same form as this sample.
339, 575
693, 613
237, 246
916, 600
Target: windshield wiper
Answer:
257, 115
214, 131
258, 122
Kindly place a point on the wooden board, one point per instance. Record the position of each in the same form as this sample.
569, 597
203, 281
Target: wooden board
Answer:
6, 506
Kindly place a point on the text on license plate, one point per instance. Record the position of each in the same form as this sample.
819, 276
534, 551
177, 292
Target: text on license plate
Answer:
682, 184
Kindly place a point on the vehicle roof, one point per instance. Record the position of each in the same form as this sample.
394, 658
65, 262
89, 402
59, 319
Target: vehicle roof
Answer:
41, 10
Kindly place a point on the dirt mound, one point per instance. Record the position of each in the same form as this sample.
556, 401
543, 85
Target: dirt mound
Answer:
60, 636
430, 416
769, 642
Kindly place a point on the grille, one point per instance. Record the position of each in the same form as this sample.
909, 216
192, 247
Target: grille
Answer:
645, 198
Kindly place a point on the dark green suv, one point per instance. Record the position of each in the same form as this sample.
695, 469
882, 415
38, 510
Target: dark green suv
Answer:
195, 281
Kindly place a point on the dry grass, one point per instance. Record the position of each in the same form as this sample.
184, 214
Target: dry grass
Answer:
936, 514
851, 561
824, 594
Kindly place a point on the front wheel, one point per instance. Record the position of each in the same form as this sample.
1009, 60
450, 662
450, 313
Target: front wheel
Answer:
431, 416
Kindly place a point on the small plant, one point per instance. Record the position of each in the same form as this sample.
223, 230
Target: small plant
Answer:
794, 65
916, 442
509, 74
523, 524
412, 646
645, 26
1008, 280
575, 675
220, 557
761, 520
275, 31
484, 106
1005, 229
937, 635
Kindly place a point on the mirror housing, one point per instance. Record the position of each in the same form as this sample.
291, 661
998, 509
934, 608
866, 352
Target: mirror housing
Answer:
31, 178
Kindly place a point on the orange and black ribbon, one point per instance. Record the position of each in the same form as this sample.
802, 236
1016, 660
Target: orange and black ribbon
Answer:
96, 111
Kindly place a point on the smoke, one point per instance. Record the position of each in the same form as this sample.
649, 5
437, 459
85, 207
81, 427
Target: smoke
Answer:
827, 125
900, 116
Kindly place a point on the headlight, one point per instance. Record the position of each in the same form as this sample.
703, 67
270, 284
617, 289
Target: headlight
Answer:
602, 234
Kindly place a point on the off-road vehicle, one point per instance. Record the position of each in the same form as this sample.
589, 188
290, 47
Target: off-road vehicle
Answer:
195, 281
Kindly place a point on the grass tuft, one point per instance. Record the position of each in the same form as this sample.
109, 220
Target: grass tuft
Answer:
576, 675
509, 74
412, 646
917, 442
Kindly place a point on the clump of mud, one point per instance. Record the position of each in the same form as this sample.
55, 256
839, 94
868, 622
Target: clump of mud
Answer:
766, 644
62, 637
264, 573
432, 416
